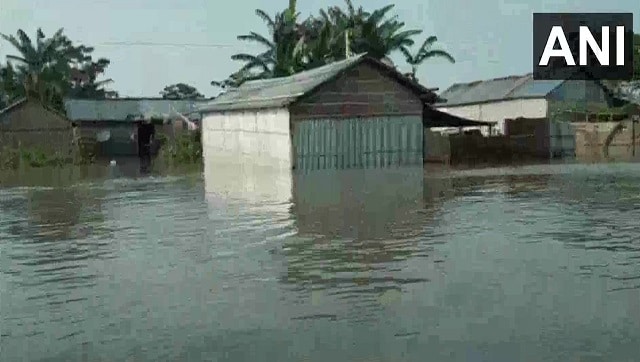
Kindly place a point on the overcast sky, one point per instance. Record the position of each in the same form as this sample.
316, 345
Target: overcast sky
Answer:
489, 38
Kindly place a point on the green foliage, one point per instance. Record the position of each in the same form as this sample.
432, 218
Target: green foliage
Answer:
86, 153
11, 158
424, 53
180, 91
293, 46
187, 149
51, 68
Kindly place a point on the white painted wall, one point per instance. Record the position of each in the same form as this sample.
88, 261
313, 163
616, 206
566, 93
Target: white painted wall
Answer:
247, 155
249, 137
497, 111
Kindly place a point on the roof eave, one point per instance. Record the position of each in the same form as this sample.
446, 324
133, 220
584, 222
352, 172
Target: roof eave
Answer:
444, 105
435, 118
426, 95
16, 103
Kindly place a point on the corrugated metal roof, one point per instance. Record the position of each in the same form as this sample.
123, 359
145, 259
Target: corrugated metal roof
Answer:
511, 87
23, 101
278, 92
13, 105
129, 109
436, 118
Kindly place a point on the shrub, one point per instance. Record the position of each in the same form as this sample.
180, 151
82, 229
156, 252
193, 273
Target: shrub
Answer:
187, 148
11, 158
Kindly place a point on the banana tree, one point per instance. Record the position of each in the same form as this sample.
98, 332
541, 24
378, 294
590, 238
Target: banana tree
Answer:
42, 65
379, 36
423, 53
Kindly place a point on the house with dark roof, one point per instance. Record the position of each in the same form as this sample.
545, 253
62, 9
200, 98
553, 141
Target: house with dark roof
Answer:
28, 124
557, 102
116, 124
358, 112
520, 96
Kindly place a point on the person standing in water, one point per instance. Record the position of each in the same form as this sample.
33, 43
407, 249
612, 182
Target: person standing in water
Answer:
146, 133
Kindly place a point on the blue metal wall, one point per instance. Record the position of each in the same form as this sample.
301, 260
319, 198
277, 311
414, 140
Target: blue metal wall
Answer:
371, 142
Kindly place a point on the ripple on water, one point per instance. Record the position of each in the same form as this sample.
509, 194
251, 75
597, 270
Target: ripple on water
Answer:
157, 270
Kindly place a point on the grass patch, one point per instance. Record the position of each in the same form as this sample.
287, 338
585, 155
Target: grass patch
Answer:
13, 159
186, 150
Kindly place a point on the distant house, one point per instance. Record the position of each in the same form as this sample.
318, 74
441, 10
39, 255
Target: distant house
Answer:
29, 124
556, 102
116, 124
520, 96
353, 113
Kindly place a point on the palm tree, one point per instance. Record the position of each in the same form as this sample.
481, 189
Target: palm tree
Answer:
423, 53
336, 27
379, 36
41, 65
372, 33
292, 47
236, 79
84, 75
285, 48
51, 68
284, 53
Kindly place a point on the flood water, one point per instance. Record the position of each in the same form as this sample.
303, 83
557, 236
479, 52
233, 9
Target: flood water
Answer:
539, 263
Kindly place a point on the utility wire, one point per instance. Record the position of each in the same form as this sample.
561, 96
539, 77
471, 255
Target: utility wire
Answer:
193, 45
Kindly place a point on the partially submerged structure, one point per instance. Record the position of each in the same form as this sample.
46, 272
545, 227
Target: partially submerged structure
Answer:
119, 126
521, 97
28, 124
354, 113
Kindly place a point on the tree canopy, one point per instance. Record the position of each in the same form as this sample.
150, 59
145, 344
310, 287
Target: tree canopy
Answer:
293, 45
180, 91
51, 68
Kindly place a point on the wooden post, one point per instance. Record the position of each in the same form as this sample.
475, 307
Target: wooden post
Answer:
634, 120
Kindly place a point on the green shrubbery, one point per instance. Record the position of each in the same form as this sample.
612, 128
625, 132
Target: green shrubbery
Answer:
187, 149
13, 159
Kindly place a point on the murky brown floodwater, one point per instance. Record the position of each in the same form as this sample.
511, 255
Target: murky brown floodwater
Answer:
529, 264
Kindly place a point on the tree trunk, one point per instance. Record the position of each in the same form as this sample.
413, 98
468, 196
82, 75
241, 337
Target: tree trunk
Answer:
614, 132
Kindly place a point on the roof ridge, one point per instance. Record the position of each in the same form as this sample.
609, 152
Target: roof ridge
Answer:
282, 91
135, 99
304, 73
519, 84
490, 79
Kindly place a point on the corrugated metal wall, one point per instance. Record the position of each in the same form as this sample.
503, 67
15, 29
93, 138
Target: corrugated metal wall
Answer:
372, 142
562, 139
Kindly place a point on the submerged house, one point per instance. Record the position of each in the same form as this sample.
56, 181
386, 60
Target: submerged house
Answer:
520, 96
358, 112
117, 124
29, 124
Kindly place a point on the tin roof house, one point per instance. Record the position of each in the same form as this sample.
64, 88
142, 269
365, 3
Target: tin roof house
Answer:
27, 123
358, 112
520, 96
115, 123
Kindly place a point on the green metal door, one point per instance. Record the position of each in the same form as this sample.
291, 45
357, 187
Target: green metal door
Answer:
371, 142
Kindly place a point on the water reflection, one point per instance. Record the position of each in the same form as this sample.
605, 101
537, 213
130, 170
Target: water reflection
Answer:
247, 182
356, 228
517, 264
360, 204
